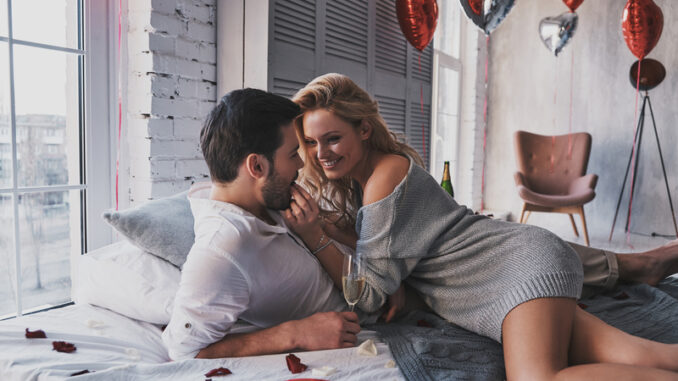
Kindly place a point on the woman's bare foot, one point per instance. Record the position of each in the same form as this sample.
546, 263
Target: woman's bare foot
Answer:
651, 266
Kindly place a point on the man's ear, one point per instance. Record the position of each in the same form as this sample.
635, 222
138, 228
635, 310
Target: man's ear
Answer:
257, 165
365, 130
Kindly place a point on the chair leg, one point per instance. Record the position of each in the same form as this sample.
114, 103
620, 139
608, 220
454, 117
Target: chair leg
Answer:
583, 221
529, 212
576, 233
522, 213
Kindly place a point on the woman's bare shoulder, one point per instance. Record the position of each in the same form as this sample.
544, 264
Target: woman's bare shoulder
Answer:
388, 173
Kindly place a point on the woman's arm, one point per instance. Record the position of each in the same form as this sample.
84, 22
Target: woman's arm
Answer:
346, 236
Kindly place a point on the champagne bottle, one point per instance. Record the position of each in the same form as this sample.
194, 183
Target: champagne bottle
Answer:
447, 183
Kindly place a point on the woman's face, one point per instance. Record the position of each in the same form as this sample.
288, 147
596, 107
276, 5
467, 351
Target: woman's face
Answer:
333, 143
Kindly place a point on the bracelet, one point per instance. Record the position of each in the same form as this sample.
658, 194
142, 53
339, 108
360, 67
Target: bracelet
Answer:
320, 241
316, 251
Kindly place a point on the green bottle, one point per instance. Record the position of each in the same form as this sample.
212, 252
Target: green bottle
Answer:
447, 183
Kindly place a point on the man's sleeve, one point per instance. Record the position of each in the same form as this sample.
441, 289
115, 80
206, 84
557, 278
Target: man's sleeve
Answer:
213, 293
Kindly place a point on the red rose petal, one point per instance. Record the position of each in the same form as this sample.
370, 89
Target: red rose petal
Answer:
424, 323
218, 372
294, 364
37, 334
62, 346
81, 372
582, 306
622, 296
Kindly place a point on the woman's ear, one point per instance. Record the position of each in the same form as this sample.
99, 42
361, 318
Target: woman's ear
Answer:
365, 130
256, 165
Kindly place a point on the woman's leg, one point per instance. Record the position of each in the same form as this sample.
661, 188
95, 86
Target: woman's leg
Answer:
538, 337
595, 341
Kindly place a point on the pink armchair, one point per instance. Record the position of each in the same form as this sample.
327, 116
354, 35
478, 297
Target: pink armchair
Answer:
549, 180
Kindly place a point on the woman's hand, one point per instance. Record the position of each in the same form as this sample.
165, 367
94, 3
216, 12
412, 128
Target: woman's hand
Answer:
302, 215
396, 302
348, 236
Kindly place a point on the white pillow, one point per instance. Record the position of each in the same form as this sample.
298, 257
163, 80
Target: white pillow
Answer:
123, 278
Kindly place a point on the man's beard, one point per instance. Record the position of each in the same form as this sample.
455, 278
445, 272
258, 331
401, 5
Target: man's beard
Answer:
276, 192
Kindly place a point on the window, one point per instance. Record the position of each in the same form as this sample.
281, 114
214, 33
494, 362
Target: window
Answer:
446, 89
53, 89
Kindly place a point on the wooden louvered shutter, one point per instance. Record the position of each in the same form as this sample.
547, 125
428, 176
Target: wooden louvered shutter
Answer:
292, 46
359, 38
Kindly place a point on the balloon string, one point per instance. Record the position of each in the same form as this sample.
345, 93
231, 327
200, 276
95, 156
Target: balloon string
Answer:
633, 157
555, 124
421, 104
482, 176
569, 135
553, 153
117, 159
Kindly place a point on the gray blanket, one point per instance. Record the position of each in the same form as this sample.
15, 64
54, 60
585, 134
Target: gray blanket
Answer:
444, 351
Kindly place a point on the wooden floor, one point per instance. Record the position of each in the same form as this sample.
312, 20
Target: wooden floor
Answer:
560, 225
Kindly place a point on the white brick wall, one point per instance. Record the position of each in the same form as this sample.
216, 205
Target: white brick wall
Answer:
171, 86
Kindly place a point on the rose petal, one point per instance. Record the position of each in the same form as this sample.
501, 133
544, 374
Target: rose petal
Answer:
323, 371
424, 323
62, 346
622, 296
294, 364
367, 348
582, 306
218, 372
37, 334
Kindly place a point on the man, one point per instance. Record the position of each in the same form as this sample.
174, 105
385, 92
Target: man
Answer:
247, 264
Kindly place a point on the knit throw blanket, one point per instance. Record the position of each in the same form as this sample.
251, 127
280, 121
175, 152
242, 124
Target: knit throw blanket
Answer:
427, 347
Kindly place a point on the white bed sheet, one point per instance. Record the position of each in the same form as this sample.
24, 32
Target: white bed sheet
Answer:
127, 349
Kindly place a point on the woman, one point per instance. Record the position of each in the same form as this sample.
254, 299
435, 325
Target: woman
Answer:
517, 284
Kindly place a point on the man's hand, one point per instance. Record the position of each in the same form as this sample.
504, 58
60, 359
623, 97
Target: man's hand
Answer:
326, 330
396, 302
302, 215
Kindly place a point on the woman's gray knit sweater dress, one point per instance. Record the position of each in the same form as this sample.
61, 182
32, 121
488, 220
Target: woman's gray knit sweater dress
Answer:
470, 269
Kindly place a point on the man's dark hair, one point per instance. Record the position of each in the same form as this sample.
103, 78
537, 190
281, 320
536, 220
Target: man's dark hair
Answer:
244, 121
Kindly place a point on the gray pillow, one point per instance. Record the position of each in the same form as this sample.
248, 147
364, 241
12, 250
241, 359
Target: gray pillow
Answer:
163, 227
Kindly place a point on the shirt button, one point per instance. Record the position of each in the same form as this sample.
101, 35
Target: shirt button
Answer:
187, 325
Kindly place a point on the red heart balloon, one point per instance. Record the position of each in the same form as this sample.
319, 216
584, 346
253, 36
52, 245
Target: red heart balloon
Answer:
418, 20
573, 4
477, 6
642, 24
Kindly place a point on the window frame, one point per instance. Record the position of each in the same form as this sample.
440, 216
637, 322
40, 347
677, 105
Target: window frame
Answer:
96, 62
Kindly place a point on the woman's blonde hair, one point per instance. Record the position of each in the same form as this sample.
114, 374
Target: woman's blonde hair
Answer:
338, 94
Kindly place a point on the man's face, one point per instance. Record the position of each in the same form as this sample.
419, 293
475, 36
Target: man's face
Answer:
276, 191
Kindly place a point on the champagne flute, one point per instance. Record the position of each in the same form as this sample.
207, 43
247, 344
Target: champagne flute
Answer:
353, 278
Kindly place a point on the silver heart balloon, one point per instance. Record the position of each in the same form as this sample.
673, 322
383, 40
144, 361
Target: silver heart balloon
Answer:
556, 31
495, 12
487, 14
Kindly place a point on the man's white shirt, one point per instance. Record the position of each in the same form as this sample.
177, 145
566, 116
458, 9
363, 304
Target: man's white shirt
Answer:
240, 267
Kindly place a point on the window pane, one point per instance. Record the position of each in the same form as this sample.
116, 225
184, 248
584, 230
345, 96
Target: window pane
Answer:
3, 18
53, 22
5, 128
49, 225
450, 32
7, 265
447, 129
47, 116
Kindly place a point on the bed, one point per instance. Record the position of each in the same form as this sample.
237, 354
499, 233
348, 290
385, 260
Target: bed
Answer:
125, 296
125, 292
116, 323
